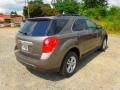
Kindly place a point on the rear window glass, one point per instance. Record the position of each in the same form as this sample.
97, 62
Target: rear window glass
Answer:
56, 26
35, 28
42, 28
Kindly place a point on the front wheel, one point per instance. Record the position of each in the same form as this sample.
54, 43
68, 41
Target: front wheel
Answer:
69, 64
104, 45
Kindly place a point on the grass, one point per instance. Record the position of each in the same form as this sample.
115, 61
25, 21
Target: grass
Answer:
111, 24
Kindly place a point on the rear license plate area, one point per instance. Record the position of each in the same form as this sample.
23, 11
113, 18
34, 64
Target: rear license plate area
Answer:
25, 45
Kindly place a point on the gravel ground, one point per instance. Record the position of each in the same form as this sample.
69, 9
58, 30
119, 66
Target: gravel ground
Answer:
99, 71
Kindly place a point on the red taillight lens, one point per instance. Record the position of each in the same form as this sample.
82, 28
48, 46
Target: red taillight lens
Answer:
49, 44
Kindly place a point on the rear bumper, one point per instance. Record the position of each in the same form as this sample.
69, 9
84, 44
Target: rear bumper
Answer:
51, 64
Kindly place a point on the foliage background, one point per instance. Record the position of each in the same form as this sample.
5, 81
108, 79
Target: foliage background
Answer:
98, 10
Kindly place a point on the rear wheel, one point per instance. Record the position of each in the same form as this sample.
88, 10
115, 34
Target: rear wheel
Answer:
69, 64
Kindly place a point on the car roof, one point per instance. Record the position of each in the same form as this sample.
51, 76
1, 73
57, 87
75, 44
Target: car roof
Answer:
59, 17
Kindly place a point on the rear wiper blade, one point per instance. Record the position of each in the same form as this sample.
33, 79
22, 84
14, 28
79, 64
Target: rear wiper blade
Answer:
23, 33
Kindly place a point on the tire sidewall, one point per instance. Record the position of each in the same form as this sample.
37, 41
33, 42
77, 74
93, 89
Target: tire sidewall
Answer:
102, 46
64, 65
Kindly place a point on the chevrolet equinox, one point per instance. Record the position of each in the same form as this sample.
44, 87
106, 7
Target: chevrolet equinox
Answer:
57, 43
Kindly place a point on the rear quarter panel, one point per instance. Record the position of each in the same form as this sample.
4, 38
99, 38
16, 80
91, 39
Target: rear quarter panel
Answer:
66, 42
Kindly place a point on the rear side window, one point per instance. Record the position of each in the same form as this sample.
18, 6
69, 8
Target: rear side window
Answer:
35, 28
79, 25
56, 26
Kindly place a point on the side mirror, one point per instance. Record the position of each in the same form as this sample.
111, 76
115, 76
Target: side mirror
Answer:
99, 27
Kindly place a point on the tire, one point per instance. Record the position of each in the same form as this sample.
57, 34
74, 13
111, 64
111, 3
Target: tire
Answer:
69, 64
104, 45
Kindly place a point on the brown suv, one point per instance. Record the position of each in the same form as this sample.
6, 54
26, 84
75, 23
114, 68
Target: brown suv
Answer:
57, 43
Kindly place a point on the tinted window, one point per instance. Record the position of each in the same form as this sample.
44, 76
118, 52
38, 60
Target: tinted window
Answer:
56, 26
79, 25
35, 28
91, 25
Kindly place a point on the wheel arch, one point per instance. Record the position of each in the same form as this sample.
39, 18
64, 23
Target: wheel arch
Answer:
74, 49
106, 36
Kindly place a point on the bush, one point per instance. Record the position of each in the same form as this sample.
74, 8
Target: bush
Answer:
114, 10
109, 18
95, 13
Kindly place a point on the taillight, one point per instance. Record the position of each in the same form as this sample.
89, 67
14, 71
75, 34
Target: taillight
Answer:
49, 44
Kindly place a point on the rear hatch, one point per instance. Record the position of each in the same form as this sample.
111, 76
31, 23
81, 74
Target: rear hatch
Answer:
30, 37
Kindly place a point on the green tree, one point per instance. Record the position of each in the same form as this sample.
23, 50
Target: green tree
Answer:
67, 6
13, 12
114, 10
37, 9
48, 11
94, 8
36, 2
53, 2
94, 3
34, 10
7, 20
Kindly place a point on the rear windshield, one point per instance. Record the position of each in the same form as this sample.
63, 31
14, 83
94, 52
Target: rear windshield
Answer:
41, 28
35, 28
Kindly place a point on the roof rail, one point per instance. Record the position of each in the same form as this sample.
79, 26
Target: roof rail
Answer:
68, 15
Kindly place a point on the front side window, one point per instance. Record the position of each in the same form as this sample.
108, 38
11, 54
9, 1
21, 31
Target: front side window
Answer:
91, 25
79, 25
